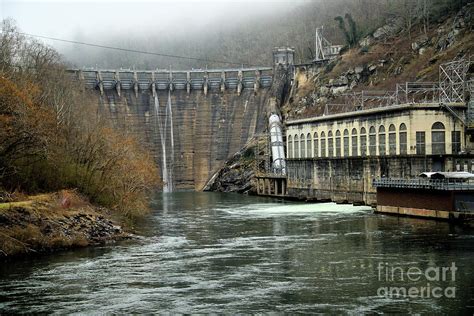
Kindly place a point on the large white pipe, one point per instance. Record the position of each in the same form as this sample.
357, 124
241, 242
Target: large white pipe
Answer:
278, 150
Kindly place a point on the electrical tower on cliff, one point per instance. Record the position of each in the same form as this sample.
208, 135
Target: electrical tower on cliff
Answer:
325, 51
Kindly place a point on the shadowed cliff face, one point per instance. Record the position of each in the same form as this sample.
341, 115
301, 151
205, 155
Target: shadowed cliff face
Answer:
207, 130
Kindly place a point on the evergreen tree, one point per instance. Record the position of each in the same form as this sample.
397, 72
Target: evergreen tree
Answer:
342, 26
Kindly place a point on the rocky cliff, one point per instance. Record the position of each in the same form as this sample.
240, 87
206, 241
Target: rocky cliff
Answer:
388, 56
238, 172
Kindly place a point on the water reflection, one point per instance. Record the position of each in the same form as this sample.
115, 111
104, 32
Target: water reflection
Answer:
230, 253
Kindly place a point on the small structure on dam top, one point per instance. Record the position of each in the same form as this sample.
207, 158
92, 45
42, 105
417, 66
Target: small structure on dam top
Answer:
284, 56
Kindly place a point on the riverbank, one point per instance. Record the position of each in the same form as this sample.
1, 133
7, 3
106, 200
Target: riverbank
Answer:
50, 222
212, 253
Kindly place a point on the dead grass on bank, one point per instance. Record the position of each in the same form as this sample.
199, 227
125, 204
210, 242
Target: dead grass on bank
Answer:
46, 222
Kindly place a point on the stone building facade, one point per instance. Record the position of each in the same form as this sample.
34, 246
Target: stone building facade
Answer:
336, 157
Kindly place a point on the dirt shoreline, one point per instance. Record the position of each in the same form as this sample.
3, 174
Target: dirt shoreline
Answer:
50, 222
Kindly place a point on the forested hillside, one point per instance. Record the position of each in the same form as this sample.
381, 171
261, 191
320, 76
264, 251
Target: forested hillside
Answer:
250, 40
53, 138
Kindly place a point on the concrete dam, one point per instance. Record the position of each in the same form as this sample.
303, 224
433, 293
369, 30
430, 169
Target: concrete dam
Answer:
192, 121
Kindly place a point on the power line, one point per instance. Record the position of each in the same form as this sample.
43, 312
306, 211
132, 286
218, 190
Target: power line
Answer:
133, 50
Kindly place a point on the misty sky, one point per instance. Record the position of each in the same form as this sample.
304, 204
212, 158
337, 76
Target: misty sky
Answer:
195, 28
85, 18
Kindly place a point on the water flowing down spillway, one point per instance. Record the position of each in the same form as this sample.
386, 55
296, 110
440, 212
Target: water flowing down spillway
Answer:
166, 165
169, 112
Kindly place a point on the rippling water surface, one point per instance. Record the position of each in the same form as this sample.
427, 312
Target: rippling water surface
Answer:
207, 252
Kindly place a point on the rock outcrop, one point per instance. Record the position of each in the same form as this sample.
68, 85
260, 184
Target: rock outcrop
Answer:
392, 27
237, 174
50, 222
384, 58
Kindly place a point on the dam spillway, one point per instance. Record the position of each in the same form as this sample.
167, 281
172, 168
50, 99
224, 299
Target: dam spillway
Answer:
196, 79
214, 114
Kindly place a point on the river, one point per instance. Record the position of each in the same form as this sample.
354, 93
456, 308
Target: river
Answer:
226, 253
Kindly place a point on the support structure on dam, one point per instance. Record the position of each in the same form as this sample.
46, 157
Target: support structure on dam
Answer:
272, 180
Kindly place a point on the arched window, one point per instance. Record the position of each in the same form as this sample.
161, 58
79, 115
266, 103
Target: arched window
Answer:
315, 145
296, 147
302, 147
392, 140
323, 145
355, 146
363, 142
438, 139
330, 145
403, 139
372, 141
308, 146
438, 125
338, 143
289, 147
382, 143
345, 152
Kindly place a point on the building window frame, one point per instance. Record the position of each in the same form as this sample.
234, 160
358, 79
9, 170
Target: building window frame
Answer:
438, 139
420, 143
363, 142
372, 141
323, 145
455, 142
345, 148
302, 146
382, 141
296, 147
392, 140
403, 139
330, 144
309, 150
354, 143
315, 145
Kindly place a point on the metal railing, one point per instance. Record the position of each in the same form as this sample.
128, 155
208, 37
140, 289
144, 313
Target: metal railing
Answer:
429, 184
417, 92
408, 93
449, 89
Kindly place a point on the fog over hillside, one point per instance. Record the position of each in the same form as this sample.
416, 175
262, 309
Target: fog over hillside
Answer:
240, 32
